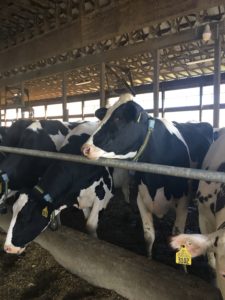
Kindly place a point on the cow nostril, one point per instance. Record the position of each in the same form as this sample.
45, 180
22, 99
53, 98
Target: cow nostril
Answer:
7, 249
86, 150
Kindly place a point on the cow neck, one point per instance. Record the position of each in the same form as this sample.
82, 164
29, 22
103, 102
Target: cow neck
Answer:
151, 125
45, 197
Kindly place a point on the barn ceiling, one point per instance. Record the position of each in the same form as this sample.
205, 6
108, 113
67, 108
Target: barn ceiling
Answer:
23, 21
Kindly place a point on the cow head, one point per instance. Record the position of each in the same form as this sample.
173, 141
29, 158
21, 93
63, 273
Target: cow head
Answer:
198, 244
30, 218
120, 133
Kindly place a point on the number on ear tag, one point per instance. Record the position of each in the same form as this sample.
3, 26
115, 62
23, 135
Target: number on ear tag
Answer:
45, 212
183, 257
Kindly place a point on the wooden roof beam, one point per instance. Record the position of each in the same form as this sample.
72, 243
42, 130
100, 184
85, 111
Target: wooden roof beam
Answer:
112, 55
123, 17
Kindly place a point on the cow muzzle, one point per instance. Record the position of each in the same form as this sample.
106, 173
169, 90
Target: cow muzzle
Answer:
13, 250
91, 151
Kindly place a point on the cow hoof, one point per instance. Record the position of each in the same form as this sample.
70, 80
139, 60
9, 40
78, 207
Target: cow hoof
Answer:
3, 210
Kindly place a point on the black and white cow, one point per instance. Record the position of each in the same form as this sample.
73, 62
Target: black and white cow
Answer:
127, 131
211, 204
65, 184
20, 171
3, 132
11, 136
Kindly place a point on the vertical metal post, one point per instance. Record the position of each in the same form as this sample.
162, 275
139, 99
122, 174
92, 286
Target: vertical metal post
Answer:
82, 109
46, 111
200, 102
22, 100
217, 78
64, 97
156, 58
163, 103
102, 85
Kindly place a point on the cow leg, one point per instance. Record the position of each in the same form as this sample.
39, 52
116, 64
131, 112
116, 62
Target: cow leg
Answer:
181, 215
92, 221
146, 217
86, 212
207, 225
126, 192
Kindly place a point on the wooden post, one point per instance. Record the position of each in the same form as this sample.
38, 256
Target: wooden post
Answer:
156, 57
64, 98
217, 79
102, 85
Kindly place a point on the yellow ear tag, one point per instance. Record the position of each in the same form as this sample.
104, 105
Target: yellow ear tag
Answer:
183, 256
45, 212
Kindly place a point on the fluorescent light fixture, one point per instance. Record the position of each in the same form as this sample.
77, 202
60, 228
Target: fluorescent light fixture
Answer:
83, 82
189, 63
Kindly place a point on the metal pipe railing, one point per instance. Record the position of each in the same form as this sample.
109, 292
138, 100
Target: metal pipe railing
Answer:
124, 164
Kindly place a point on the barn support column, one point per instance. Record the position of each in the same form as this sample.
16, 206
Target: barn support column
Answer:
200, 102
102, 85
163, 103
64, 97
156, 58
22, 99
217, 78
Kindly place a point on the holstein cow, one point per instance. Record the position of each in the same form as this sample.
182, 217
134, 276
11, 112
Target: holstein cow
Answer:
127, 131
19, 171
65, 184
13, 134
211, 204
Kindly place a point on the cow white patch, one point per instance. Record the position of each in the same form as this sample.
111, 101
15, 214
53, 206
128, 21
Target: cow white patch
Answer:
35, 126
173, 130
82, 128
57, 139
215, 155
18, 205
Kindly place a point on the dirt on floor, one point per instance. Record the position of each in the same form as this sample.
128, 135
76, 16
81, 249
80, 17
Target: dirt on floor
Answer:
36, 275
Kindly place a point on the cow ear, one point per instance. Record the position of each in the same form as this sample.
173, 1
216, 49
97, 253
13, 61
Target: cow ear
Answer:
131, 112
196, 244
100, 113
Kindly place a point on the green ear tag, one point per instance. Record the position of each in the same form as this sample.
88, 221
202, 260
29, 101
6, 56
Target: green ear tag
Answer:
183, 256
45, 212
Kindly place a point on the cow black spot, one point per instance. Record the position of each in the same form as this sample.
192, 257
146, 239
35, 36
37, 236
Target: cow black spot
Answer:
220, 201
215, 191
209, 196
100, 191
107, 181
221, 167
208, 182
216, 241
212, 207
201, 199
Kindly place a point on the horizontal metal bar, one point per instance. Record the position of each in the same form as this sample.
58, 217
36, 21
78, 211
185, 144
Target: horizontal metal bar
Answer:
134, 166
